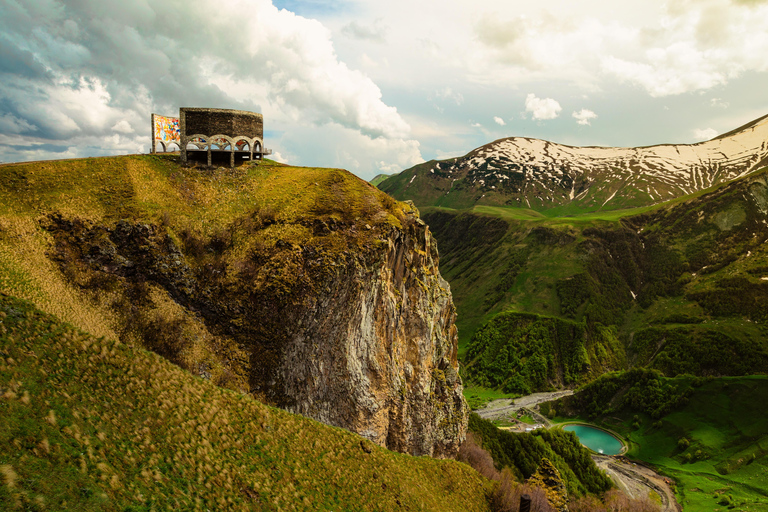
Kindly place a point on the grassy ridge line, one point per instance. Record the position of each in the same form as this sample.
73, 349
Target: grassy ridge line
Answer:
90, 424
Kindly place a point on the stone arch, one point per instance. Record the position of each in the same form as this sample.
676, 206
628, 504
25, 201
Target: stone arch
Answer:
221, 141
243, 148
198, 141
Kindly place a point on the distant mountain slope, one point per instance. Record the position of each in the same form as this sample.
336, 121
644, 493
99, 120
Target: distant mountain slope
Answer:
682, 285
379, 178
546, 176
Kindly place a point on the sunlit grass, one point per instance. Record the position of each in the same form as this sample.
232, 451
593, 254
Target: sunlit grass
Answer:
91, 424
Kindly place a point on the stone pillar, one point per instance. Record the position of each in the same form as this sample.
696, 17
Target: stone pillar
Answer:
183, 135
152, 134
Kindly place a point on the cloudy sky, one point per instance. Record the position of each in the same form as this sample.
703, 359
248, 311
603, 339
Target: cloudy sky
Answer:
376, 86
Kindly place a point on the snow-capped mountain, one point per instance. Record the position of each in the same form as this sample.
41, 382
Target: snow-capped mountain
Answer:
532, 173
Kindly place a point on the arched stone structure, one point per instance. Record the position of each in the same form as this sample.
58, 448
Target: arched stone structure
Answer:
237, 132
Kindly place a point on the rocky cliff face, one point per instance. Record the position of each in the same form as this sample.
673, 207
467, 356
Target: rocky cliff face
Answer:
377, 352
336, 311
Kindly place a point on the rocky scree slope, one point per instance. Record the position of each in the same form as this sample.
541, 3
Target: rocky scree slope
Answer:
306, 287
545, 176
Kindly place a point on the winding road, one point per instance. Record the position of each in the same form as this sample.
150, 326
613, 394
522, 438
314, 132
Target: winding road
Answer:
638, 481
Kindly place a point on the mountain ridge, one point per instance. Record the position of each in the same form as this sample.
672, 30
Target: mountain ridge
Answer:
551, 177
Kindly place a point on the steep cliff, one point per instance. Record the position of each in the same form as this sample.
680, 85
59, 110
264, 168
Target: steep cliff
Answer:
388, 366
308, 288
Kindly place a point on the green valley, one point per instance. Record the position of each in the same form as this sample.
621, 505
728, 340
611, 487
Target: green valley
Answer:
709, 434
679, 286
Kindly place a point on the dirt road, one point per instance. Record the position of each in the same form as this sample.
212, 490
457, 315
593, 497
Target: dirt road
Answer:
505, 408
638, 481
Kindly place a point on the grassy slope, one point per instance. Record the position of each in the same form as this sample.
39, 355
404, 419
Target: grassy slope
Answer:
476, 270
379, 178
90, 424
726, 424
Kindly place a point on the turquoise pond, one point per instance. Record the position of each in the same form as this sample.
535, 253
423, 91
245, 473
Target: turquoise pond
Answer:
595, 439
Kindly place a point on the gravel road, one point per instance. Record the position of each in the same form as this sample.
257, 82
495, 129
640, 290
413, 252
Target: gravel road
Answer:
505, 408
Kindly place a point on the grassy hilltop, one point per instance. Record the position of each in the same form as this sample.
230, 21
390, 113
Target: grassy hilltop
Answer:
189, 241
107, 264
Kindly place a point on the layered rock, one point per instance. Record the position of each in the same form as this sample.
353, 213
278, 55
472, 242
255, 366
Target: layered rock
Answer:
377, 352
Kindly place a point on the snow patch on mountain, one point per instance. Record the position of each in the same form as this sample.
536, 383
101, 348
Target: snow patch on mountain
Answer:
526, 168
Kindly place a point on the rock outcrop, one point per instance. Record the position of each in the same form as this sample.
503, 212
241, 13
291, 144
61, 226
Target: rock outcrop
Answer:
377, 352
338, 316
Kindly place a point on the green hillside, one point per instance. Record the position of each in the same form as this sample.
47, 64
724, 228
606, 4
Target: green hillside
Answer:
93, 424
522, 453
709, 434
681, 285
379, 178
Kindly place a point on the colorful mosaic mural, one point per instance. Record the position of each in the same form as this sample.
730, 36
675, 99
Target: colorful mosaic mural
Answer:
167, 129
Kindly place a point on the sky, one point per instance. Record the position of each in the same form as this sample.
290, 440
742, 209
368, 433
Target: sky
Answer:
377, 87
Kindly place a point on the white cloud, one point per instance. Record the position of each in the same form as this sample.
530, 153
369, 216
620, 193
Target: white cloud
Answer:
82, 71
448, 94
499, 121
12, 124
338, 146
122, 126
542, 108
698, 45
705, 134
719, 103
376, 32
476, 125
584, 116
